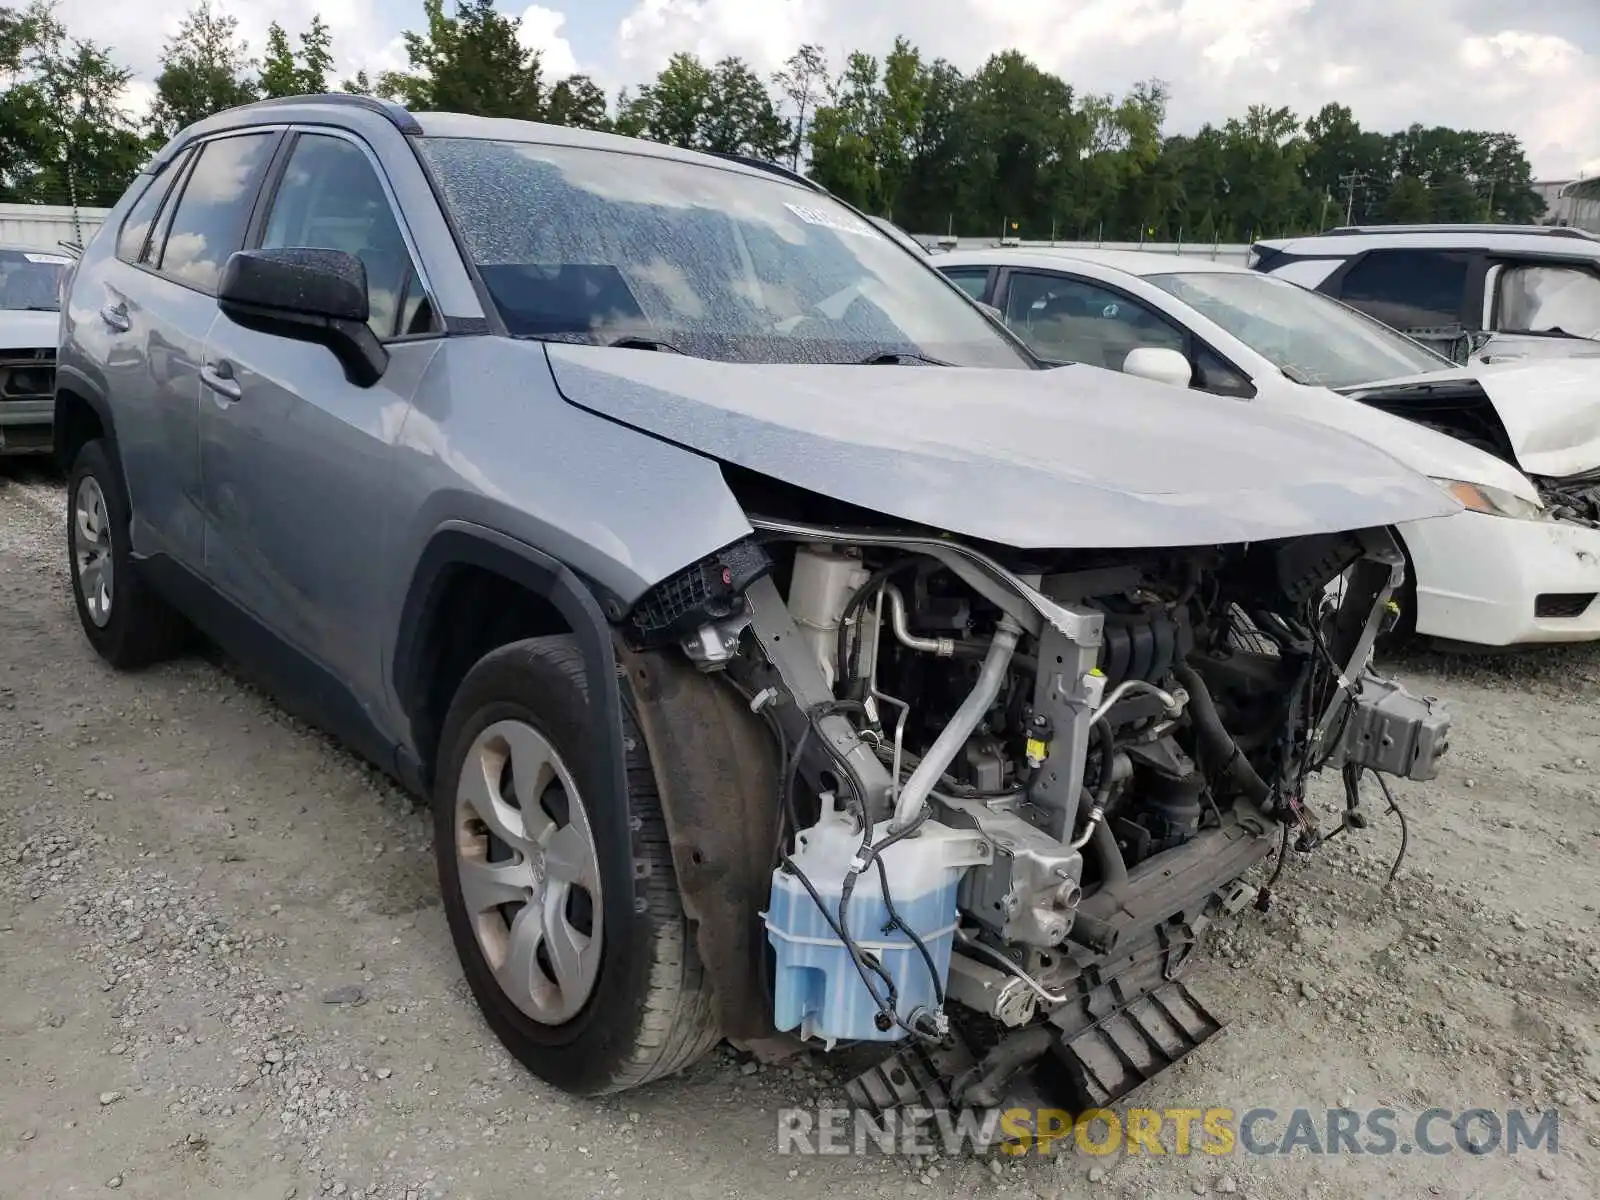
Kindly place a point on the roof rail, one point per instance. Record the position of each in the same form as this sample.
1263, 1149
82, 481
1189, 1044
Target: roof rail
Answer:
772, 168
1462, 227
395, 114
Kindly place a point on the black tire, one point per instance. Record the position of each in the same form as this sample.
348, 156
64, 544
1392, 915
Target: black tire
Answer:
141, 627
650, 1012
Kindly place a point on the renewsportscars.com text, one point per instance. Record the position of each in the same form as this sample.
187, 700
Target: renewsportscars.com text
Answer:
1179, 1132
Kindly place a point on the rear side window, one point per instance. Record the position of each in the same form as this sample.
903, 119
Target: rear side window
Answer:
1409, 289
209, 222
134, 236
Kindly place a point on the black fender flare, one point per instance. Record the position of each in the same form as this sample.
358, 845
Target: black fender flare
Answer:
459, 543
88, 390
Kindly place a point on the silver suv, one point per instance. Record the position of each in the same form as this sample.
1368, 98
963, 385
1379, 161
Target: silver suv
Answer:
785, 654
1490, 292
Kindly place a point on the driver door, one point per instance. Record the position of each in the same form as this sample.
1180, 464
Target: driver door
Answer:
295, 456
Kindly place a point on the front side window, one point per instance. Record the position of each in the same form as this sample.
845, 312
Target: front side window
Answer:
1550, 299
1307, 336
1072, 320
595, 246
208, 224
30, 280
330, 198
1409, 289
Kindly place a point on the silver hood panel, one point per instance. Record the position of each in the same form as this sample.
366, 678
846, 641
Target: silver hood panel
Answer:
1072, 457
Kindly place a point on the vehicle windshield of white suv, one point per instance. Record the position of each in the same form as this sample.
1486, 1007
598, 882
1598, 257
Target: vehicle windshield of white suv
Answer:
1550, 299
30, 280
1307, 336
614, 248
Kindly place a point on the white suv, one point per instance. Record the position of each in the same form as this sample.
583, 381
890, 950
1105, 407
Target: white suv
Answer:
1487, 292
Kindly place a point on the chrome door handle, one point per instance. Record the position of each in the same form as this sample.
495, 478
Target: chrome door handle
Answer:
219, 378
116, 316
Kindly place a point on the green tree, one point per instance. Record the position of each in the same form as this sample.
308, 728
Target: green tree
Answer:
279, 74
471, 62
578, 101
803, 82
283, 73
674, 108
65, 137
205, 68
741, 118
1408, 201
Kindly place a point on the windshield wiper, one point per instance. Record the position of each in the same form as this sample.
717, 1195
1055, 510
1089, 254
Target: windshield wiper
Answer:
895, 358
634, 342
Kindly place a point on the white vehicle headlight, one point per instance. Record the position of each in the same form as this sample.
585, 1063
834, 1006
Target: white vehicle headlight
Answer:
1497, 503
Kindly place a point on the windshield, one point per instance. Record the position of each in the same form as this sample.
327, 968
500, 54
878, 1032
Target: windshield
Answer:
30, 279
1307, 336
597, 245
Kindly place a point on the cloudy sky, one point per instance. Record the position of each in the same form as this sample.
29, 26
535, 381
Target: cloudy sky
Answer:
1528, 66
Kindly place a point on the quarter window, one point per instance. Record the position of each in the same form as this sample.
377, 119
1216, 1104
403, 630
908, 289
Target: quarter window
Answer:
974, 281
134, 236
1409, 290
331, 199
209, 222
1071, 320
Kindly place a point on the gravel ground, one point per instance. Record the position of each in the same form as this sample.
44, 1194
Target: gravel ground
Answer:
224, 970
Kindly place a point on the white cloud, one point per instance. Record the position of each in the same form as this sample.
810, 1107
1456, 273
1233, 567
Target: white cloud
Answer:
541, 31
1533, 70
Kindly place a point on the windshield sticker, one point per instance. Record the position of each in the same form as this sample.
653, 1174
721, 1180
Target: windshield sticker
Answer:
828, 220
45, 258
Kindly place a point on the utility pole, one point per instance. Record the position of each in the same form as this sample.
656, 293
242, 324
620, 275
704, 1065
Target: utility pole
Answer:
1350, 182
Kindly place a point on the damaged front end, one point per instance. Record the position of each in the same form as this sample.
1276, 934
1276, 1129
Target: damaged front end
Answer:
987, 803
1575, 499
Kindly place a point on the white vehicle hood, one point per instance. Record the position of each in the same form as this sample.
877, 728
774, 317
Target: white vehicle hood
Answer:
1550, 408
1435, 454
28, 330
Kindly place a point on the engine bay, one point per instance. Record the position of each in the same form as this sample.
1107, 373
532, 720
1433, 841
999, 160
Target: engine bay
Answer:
1016, 789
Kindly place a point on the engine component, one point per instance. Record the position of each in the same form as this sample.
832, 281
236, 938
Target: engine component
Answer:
1388, 729
821, 983
1066, 690
985, 989
949, 743
823, 581
1029, 891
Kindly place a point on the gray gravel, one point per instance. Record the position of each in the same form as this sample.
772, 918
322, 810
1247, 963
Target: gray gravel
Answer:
224, 970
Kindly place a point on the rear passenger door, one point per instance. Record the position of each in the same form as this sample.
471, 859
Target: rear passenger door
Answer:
296, 458
156, 307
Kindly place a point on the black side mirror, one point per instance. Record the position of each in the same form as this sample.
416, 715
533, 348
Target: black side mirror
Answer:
310, 295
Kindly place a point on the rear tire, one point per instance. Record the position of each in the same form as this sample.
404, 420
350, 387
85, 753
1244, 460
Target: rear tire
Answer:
127, 623
639, 1009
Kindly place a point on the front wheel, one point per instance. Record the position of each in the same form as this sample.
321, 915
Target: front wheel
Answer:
585, 971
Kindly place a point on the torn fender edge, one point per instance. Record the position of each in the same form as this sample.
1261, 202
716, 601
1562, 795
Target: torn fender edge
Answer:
717, 775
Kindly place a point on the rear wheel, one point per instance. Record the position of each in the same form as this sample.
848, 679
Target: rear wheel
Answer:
585, 971
127, 623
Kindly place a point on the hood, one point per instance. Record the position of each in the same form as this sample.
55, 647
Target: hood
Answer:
25, 330
1430, 451
1550, 408
1071, 457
